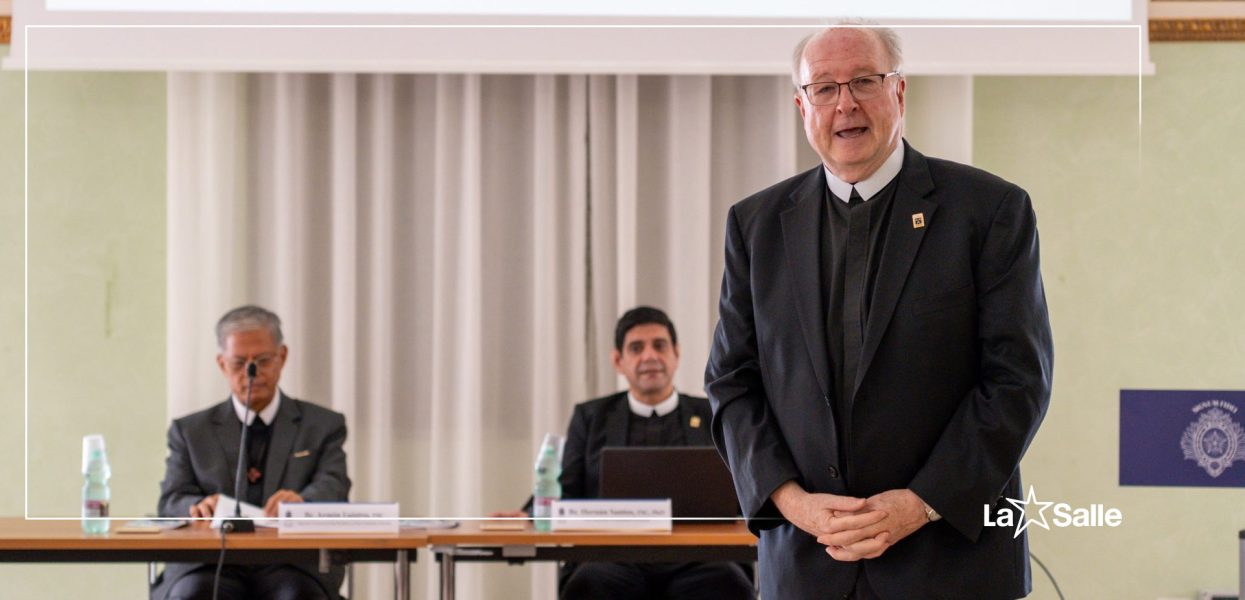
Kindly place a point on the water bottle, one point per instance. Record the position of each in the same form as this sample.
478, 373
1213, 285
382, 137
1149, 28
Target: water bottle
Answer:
95, 492
547, 487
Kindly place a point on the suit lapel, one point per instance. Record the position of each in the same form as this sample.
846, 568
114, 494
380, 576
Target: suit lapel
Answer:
616, 421
801, 234
229, 433
289, 419
903, 239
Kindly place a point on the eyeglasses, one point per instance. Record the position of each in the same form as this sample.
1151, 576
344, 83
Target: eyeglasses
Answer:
237, 364
823, 93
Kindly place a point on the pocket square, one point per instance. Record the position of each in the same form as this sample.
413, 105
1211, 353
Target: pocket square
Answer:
302, 453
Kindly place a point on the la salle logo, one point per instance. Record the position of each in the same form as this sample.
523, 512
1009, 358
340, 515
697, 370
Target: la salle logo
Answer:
1031, 511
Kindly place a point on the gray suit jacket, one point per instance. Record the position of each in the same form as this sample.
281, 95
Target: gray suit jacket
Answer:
305, 455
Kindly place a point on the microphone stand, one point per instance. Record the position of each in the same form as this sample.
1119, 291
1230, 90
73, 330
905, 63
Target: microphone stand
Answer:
237, 524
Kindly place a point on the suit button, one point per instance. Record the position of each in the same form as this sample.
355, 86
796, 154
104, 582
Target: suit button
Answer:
834, 472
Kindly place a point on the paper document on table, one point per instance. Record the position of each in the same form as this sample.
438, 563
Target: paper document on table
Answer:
151, 525
504, 525
225, 510
427, 524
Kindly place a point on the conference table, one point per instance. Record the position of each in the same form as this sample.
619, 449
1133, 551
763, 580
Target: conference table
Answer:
689, 541
53, 541
57, 541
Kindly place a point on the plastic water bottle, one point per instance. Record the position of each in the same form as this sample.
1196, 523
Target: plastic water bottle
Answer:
95, 492
547, 487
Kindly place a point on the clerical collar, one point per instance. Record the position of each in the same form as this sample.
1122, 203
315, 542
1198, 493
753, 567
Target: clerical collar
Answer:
267, 415
871, 185
663, 408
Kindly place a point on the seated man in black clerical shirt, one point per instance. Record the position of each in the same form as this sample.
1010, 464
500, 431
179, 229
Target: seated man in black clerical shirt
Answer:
650, 412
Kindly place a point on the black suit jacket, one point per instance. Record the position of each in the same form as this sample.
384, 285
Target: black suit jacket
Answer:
954, 378
603, 422
598, 423
305, 455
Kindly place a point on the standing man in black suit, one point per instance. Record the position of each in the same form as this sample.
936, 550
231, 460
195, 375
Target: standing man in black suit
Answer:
294, 452
883, 356
649, 413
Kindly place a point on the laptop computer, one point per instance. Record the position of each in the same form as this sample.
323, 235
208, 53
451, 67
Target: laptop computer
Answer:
695, 479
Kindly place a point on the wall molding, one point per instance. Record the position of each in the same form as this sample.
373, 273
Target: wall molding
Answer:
1161, 30
1197, 20
1197, 30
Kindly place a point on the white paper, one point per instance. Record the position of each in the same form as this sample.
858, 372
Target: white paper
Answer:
225, 510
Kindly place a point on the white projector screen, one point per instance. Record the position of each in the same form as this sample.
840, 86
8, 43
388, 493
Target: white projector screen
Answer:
1106, 37
1045, 11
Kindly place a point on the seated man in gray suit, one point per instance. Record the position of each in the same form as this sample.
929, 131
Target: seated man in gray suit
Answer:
649, 413
294, 454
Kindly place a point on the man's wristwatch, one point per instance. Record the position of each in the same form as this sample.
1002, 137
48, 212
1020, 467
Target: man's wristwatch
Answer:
930, 514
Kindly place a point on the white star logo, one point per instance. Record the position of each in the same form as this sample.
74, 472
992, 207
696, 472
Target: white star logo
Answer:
1021, 504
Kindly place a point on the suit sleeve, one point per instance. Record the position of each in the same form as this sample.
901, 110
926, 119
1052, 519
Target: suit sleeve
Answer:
981, 448
744, 427
574, 455
180, 489
330, 483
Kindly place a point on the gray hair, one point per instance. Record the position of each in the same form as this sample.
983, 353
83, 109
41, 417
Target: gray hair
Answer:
888, 37
248, 318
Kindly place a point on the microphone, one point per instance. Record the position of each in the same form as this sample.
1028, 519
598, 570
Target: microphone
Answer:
237, 524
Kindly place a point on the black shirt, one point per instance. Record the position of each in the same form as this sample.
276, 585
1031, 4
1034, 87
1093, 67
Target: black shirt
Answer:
257, 438
656, 430
837, 217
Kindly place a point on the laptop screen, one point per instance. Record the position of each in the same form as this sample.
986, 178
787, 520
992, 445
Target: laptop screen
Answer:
694, 478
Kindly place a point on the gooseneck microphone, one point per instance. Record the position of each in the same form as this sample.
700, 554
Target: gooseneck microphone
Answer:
237, 524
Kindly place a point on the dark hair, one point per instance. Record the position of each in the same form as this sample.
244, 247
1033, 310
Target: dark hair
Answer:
642, 315
248, 318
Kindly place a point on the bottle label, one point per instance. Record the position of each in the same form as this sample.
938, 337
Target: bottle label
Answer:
95, 509
542, 506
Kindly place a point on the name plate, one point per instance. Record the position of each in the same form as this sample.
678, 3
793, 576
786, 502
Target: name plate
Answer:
338, 517
612, 515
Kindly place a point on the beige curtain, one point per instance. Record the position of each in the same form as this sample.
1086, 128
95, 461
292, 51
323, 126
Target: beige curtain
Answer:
449, 254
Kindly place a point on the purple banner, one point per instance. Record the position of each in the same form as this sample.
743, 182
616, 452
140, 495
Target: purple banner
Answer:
1182, 438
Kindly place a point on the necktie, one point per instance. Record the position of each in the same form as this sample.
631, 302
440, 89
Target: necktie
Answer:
256, 452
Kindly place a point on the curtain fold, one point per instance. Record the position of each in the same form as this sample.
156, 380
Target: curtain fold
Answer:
449, 254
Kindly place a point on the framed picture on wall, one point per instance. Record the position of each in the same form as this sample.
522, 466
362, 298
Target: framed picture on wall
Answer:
1197, 20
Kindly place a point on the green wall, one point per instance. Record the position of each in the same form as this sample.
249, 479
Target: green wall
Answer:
97, 295
1142, 240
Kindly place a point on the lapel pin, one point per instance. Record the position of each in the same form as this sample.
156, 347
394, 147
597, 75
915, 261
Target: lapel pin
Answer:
302, 453
694, 421
918, 220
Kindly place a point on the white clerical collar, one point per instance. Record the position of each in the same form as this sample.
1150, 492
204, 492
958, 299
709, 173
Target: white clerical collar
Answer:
870, 186
663, 408
267, 415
